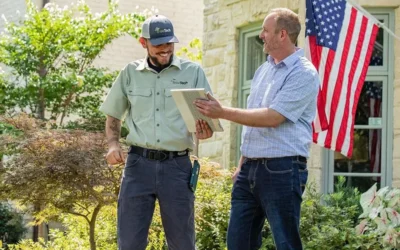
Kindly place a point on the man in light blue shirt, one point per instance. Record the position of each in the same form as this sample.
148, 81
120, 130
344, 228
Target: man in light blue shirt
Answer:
272, 171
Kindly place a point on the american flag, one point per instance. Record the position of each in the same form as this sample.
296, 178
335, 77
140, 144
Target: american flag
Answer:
374, 94
339, 42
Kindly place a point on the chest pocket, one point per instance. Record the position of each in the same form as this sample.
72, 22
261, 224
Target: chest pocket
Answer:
142, 104
170, 108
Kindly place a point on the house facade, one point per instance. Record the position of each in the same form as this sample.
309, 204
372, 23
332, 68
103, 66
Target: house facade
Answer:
232, 53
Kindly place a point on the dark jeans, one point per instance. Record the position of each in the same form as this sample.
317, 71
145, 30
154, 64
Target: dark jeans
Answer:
143, 182
269, 189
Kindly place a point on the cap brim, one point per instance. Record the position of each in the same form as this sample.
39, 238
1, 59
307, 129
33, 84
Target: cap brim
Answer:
161, 40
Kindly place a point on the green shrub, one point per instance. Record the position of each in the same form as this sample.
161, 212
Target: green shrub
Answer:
213, 197
327, 221
11, 225
76, 236
381, 215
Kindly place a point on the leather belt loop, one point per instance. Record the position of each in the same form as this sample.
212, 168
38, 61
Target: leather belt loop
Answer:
144, 153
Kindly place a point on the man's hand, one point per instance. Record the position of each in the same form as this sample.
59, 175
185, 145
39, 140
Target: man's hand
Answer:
210, 108
203, 131
237, 171
115, 156
235, 174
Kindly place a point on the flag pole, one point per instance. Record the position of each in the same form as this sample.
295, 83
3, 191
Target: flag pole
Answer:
381, 25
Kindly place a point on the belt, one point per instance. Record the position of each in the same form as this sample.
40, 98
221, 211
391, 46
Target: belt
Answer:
158, 155
294, 158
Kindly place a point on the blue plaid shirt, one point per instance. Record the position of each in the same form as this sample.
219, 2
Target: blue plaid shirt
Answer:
290, 88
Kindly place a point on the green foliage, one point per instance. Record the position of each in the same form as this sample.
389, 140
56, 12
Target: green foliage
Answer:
381, 215
212, 206
51, 53
8, 129
76, 234
7, 148
328, 221
58, 170
212, 212
11, 225
193, 51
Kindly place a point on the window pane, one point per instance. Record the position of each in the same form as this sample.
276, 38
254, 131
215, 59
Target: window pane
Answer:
377, 53
254, 55
366, 153
362, 183
369, 109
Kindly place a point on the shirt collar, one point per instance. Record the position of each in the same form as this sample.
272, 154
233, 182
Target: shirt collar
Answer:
290, 60
145, 65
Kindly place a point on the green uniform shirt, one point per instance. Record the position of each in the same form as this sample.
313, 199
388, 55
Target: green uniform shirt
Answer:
144, 97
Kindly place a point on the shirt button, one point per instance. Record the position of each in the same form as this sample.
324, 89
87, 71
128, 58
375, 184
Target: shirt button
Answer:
158, 77
156, 109
158, 140
158, 93
158, 125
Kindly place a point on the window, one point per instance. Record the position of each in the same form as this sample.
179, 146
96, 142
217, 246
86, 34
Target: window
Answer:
251, 57
371, 160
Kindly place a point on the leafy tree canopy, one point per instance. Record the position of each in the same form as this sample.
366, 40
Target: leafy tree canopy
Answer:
60, 170
50, 54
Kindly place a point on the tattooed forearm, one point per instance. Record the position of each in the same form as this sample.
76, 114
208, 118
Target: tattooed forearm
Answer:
113, 130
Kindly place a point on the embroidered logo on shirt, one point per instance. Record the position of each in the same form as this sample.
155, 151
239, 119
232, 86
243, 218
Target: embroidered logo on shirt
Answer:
174, 81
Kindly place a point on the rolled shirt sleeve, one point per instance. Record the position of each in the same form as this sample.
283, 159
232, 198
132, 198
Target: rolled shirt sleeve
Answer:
116, 103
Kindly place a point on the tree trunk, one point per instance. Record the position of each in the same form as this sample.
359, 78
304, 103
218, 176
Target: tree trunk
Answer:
42, 71
35, 236
92, 227
41, 105
41, 115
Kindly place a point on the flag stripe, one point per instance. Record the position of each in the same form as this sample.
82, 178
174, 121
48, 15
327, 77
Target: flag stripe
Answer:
338, 87
320, 123
366, 51
360, 28
361, 80
356, 91
324, 70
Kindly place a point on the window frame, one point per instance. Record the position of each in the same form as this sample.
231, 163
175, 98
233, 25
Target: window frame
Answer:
244, 85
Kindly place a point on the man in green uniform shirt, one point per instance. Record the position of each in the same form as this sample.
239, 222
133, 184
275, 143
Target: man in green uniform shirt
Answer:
158, 164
